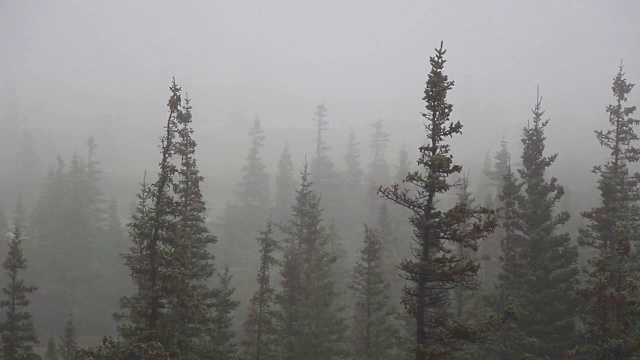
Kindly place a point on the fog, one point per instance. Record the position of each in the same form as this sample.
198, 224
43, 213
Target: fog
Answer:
71, 69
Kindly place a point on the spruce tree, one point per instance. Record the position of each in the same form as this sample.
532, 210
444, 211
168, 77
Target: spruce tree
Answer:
191, 266
549, 256
285, 186
17, 331
169, 314
372, 333
610, 291
260, 326
309, 325
69, 341
434, 269
52, 350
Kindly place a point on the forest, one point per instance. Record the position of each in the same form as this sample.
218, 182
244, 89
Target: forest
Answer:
323, 225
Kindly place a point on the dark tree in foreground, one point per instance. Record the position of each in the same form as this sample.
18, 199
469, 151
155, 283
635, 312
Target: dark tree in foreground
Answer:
260, 326
372, 334
434, 269
17, 332
550, 258
611, 288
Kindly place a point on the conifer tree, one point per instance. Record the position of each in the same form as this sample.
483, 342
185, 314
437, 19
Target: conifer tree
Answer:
191, 267
52, 350
4, 226
169, 315
285, 185
309, 325
550, 258
260, 326
17, 331
221, 336
150, 230
611, 287
372, 333
434, 269
69, 341
254, 188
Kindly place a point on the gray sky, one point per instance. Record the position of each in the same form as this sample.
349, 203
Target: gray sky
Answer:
74, 62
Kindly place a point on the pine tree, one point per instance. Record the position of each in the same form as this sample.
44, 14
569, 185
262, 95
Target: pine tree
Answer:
17, 331
260, 326
434, 269
190, 298
372, 334
550, 258
221, 336
611, 288
254, 188
69, 341
52, 350
169, 315
310, 327
285, 186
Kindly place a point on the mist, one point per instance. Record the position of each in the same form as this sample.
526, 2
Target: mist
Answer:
74, 70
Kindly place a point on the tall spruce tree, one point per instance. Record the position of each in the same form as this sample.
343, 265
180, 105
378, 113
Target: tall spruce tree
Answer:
611, 287
169, 315
434, 269
309, 325
549, 256
372, 333
260, 327
17, 331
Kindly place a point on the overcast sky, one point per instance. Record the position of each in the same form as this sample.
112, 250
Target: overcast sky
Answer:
73, 62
